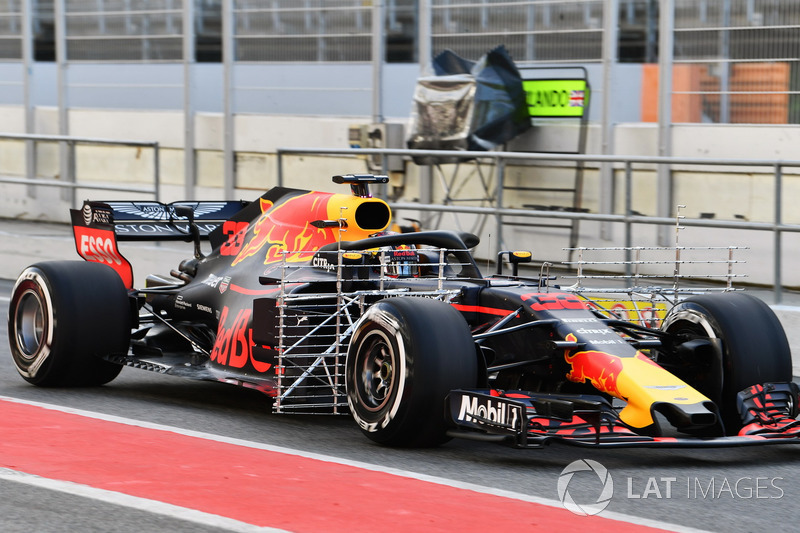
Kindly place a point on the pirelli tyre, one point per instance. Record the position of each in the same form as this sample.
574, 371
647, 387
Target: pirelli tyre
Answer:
405, 356
64, 316
748, 346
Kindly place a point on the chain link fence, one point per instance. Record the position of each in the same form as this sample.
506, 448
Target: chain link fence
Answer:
735, 61
300, 31
546, 31
11, 40
11, 30
124, 30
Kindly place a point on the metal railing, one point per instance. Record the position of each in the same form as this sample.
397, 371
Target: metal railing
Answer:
629, 218
68, 164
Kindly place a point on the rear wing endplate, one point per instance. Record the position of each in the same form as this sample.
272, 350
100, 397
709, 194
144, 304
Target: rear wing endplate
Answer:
99, 225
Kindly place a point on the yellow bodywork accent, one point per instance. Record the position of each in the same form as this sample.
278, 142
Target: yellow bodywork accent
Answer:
634, 378
345, 206
641, 312
642, 383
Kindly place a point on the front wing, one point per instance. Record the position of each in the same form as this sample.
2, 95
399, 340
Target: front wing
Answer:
531, 420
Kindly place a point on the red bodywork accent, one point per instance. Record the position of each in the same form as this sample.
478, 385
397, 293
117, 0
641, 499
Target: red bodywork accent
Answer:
481, 309
642, 357
554, 301
100, 246
233, 346
769, 418
577, 427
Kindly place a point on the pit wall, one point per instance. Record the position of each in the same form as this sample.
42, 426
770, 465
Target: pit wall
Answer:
724, 193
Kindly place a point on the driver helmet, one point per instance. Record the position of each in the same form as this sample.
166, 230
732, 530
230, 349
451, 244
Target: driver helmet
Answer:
402, 261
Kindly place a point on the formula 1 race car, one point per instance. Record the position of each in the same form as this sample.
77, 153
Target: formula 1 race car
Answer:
306, 297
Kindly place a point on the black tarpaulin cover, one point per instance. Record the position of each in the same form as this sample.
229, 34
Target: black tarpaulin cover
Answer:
468, 105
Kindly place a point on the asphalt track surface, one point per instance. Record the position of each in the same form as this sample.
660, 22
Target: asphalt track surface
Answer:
156, 453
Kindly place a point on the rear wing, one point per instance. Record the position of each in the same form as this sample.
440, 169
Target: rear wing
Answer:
149, 220
99, 225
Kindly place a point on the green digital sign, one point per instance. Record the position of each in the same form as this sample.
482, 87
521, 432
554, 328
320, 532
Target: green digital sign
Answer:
556, 98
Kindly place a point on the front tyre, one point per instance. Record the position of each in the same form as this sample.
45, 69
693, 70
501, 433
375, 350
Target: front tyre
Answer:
64, 316
753, 348
405, 356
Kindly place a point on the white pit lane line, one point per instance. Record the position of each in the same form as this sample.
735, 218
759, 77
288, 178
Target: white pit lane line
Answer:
133, 502
200, 517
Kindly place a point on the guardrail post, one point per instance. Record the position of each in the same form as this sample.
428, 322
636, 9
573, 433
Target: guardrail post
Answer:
424, 37
228, 59
628, 215
665, 58
501, 177
189, 166
609, 59
279, 157
27, 69
778, 289
157, 171
59, 12
30, 166
70, 193
378, 57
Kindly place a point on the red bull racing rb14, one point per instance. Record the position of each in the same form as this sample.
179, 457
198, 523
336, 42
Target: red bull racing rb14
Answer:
312, 299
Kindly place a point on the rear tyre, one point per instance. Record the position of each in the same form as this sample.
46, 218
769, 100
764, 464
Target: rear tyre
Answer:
753, 348
64, 316
405, 356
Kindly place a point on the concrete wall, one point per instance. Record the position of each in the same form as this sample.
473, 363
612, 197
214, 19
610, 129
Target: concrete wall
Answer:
334, 89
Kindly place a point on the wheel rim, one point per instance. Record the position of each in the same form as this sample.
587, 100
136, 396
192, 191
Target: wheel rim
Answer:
689, 322
376, 364
30, 323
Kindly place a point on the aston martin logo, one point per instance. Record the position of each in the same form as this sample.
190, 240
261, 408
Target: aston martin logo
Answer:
159, 211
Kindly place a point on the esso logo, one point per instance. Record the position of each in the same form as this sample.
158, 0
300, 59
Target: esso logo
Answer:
99, 250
